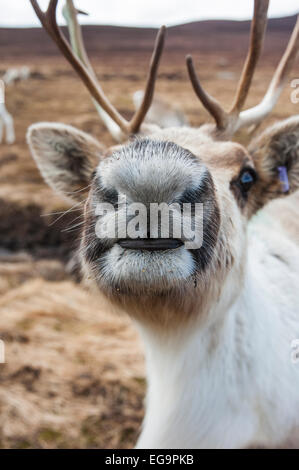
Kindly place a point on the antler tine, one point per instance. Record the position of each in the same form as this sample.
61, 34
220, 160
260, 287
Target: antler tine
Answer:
257, 113
70, 13
150, 82
208, 101
48, 18
286, 61
258, 27
76, 39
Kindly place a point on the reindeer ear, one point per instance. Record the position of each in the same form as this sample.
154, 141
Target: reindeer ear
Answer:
276, 156
65, 156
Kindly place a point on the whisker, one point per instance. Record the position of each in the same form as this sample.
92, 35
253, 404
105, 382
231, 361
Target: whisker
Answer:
66, 212
72, 227
58, 213
78, 190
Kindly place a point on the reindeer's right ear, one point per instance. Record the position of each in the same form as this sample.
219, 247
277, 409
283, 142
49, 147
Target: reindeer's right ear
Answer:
65, 156
275, 153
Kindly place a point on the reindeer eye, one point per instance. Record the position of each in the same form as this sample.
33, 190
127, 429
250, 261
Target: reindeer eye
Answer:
247, 179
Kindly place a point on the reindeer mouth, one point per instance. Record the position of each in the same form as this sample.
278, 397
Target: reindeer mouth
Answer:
150, 244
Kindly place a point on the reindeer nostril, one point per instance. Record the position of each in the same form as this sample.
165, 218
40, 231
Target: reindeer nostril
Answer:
199, 193
106, 194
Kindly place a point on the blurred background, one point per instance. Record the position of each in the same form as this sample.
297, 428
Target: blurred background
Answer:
74, 373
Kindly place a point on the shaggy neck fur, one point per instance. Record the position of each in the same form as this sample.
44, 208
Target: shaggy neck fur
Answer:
226, 380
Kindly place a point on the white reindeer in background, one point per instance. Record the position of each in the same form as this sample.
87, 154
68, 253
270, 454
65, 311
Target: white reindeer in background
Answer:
218, 321
11, 76
6, 119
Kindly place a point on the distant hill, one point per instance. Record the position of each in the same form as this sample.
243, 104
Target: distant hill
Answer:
201, 36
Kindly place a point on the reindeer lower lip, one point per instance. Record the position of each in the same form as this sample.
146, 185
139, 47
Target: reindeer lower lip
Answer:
150, 244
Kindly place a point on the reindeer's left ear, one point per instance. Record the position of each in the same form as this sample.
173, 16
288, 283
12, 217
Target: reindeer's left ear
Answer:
65, 156
276, 157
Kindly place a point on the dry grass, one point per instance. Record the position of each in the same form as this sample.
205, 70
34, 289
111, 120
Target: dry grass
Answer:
74, 373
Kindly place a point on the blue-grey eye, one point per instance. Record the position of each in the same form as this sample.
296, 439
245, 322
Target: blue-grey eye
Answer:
247, 179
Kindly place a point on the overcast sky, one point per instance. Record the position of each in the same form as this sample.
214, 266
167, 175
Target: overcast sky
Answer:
146, 12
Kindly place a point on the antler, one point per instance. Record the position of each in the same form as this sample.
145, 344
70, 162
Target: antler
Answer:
83, 68
258, 113
75, 32
229, 122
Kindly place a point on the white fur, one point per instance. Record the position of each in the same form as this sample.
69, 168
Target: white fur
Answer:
13, 75
7, 124
230, 383
6, 120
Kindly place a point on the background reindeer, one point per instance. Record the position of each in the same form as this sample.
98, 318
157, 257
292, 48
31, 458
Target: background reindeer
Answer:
217, 339
6, 119
16, 74
11, 76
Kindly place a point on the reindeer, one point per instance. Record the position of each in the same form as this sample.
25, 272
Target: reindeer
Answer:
13, 75
218, 321
10, 77
6, 119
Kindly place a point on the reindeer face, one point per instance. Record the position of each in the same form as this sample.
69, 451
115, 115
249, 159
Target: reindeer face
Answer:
224, 180
150, 172
141, 256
